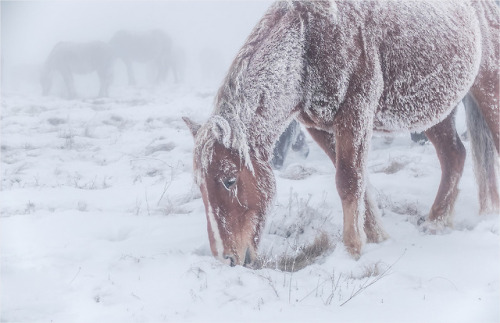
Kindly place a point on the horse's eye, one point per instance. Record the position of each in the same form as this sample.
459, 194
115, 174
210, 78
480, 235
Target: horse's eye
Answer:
228, 182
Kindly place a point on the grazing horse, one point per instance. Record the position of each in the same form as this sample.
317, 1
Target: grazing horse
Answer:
153, 47
293, 138
345, 69
68, 58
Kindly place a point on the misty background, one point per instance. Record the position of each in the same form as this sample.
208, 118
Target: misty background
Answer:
207, 33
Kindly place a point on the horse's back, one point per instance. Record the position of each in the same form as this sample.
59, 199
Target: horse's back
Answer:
141, 46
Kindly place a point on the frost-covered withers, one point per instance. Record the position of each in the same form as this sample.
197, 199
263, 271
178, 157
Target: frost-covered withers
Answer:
345, 69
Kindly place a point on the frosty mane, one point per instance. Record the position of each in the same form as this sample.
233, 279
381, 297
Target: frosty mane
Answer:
218, 130
253, 96
237, 100
264, 85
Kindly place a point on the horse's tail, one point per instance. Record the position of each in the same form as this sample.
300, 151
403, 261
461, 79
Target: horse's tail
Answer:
484, 155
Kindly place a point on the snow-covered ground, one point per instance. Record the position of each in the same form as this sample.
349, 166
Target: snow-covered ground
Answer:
101, 222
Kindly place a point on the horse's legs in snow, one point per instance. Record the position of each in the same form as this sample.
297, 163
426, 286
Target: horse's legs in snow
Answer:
451, 154
70, 83
299, 143
486, 92
130, 71
375, 233
352, 141
161, 67
373, 228
105, 78
483, 114
282, 146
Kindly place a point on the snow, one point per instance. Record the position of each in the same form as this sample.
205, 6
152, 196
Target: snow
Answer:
101, 222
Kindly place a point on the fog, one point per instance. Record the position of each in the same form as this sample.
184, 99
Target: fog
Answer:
207, 33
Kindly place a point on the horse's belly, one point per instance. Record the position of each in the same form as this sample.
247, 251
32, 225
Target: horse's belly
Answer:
82, 68
429, 60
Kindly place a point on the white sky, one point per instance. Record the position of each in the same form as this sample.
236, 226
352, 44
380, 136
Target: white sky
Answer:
29, 29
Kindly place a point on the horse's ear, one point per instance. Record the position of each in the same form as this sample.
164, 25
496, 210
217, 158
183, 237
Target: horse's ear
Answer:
193, 126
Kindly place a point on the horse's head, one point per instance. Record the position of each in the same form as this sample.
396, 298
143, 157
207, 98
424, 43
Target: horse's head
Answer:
236, 191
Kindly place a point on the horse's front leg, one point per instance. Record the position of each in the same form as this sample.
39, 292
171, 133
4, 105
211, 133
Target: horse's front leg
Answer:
70, 83
374, 230
451, 154
353, 130
105, 79
130, 72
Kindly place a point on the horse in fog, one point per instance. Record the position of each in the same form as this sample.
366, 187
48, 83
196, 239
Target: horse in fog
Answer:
153, 48
345, 69
70, 58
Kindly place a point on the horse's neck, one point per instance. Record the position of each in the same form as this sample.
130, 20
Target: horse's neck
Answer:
262, 115
262, 88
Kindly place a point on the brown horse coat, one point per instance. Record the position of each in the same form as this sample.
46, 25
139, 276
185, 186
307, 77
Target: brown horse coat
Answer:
344, 69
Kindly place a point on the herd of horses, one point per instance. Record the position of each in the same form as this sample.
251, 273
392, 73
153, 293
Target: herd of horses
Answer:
153, 47
344, 70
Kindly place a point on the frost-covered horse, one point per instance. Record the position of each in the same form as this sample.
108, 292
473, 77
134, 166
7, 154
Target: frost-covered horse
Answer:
69, 58
153, 47
292, 138
346, 69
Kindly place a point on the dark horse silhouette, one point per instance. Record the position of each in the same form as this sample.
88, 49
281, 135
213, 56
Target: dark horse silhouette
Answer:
345, 69
69, 58
292, 138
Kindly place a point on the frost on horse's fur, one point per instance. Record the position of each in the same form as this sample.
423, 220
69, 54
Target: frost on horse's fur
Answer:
427, 84
345, 69
266, 71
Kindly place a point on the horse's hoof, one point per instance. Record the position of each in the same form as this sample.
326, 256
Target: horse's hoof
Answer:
354, 250
376, 235
435, 227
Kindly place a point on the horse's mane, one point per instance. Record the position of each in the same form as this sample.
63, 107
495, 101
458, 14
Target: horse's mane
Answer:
231, 94
263, 85
219, 129
233, 106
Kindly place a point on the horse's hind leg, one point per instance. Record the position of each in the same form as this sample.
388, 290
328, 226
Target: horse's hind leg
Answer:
482, 110
486, 93
451, 154
373, 228
281, 148
375, 233
130, 72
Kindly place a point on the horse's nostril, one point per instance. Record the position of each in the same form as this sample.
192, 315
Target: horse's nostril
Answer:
232, 259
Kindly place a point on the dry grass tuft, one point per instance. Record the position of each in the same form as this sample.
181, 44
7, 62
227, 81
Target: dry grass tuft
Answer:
304, 256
